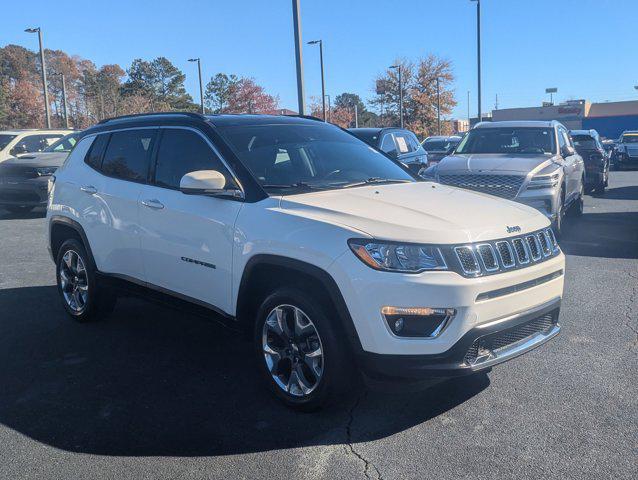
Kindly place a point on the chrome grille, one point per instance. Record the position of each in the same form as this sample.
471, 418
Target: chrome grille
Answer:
504, 186
468, 260
534, 247
521, 251
487, 258
506, 254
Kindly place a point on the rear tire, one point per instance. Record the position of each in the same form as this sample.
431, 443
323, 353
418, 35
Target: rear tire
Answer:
576, 208
83, 298
300, 351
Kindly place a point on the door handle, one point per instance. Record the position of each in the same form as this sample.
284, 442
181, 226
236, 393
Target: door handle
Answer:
156, 204
90, 189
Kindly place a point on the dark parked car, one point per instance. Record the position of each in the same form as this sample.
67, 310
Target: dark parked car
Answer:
398, 143
589, 146
439, 147
24, 179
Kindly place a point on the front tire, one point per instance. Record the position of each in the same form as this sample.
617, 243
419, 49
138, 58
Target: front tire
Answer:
557, 224
82, 297
299, 350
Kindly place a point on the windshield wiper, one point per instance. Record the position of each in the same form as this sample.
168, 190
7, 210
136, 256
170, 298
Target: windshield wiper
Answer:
298, 185
372, 181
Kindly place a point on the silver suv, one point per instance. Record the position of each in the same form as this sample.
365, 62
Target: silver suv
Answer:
531, 162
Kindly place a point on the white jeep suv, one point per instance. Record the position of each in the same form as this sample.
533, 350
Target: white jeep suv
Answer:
331, 255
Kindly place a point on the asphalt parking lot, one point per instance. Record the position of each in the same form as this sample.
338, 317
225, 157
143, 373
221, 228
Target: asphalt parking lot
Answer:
155, 393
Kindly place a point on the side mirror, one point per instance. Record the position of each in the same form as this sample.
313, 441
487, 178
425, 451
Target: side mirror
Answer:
18, 150
567, 151
207, 182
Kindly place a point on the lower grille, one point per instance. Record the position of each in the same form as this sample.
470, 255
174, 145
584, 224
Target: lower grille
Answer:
494, 343
504, 186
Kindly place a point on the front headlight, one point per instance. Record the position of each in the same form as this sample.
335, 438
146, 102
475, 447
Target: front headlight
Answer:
44, 171
544, 181
398, 257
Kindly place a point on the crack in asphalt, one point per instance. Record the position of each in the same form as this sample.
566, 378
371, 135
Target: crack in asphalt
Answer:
632, 300
369, 467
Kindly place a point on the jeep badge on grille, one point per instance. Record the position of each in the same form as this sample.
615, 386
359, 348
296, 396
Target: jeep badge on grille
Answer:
513, 229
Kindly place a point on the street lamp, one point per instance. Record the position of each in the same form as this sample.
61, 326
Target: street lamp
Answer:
323, 84
329, 108
296, 21
64, 107
201, 87
44, 74
478, 54
398, 68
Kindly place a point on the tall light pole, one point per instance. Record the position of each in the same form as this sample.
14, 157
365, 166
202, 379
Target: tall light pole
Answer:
64, 107
47, 112
398, 68
329, 108
468, 109
478, 54
201, 86
438, 106
356, 116
323, 84
296, 20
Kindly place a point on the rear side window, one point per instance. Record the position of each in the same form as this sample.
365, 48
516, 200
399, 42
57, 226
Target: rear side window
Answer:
388, 145
127, 154
181, 152
94, 156
404, 142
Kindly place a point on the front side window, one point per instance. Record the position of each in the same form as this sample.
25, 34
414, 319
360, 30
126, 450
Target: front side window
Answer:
35, 143
283, 157
5, 140
517, 140
127, 154
65, 144
403, 143
180, 152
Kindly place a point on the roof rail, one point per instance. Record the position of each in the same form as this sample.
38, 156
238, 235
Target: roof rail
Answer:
152, 114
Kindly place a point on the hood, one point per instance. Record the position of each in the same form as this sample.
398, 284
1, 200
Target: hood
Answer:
494, 162
421, 212
39, 159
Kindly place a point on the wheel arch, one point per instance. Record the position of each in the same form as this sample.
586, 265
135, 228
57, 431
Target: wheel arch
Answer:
63, 228
264, 273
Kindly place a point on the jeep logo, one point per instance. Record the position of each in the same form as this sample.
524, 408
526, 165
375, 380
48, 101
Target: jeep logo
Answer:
513, 229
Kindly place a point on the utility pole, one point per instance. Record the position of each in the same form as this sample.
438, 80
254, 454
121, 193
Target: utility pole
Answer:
356, 116
66, 115
329, 109
496, 103
478, 54
438, 106
47, 107
398, 68
323, 83
296, 19
201, 86
468, 109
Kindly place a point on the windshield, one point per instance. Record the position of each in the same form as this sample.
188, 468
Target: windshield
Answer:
5, 140
65, 144
439, 145
631, 138
584, 141
518, 140
291, 157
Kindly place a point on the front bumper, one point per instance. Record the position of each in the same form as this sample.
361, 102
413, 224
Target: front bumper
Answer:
32, 192
526, 331
483, 305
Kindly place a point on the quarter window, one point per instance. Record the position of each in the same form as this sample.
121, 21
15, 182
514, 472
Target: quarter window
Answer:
388, 145
127, 154
181, 152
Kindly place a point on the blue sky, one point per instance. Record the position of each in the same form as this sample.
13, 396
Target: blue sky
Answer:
585, 48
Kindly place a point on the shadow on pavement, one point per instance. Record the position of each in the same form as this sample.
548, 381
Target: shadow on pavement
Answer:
609, 235
151, 381
620, 193
37, 213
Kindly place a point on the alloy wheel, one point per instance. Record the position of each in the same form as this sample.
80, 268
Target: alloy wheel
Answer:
74, 281
292, 350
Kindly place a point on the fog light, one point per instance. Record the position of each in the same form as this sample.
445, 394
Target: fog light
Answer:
424, 322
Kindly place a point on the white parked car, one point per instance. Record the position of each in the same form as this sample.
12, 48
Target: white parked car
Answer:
17, 142
333, 256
